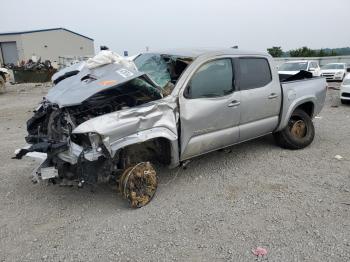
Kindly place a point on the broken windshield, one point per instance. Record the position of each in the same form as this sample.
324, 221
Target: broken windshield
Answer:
164, 69
155, 66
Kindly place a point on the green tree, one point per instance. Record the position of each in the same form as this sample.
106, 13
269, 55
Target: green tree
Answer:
275, 51
322, 53
302, 52
333, 53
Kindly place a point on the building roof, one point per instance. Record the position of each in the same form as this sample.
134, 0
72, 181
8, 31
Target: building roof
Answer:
44, 30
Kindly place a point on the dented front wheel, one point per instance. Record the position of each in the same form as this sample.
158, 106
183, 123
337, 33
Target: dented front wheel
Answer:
138, 184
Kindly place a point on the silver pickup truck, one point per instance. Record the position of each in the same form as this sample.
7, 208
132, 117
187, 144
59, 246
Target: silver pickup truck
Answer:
117, 122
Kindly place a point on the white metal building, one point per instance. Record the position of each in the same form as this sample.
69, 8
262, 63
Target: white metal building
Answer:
49, 44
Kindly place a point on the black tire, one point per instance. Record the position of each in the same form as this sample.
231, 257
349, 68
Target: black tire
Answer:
299, 133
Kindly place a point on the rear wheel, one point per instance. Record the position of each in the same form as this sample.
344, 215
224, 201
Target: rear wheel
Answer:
299, 133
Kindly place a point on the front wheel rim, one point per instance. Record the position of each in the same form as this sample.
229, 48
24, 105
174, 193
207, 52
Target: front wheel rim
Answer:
298, 128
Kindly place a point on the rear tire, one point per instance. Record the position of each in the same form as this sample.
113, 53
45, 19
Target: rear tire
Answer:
298, 134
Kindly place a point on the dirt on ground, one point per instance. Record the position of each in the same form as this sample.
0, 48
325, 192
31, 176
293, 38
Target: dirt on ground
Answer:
294, 204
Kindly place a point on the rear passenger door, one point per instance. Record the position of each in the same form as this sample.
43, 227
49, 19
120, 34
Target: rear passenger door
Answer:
260, 95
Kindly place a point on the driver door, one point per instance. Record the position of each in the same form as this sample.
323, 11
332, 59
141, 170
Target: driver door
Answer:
209, 109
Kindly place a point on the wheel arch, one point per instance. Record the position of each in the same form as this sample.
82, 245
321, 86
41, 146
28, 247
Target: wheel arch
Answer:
159, 136
307, 104
307, 107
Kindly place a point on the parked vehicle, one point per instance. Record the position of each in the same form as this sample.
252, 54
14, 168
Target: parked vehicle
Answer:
4, 76
334, 71
294, 67
116, 122
345, 90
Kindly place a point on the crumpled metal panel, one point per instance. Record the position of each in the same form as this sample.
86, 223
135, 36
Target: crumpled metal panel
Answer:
158, 117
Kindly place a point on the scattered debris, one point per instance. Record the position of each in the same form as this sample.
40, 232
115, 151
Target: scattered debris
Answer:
32, 71
339, 157
31, 64
259, 251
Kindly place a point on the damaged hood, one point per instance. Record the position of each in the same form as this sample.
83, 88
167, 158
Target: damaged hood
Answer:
88, 82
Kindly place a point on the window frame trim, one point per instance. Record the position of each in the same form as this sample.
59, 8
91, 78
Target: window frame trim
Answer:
238, 71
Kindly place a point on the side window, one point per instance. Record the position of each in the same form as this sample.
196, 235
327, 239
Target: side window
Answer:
212, 79
253, 72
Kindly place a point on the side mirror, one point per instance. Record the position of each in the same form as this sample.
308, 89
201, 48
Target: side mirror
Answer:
348, 70
311, 69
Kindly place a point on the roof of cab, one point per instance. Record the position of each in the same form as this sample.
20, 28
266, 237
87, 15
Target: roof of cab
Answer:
196, 52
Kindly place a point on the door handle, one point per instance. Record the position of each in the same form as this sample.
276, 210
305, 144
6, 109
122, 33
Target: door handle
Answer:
234, 103
272, 96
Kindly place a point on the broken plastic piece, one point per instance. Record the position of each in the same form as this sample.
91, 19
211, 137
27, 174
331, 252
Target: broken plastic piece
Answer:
339, 157
259, 251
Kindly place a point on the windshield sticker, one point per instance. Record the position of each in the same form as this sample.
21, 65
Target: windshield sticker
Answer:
125, 73
107, 83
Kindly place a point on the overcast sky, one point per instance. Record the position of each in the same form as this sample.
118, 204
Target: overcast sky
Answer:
134, 24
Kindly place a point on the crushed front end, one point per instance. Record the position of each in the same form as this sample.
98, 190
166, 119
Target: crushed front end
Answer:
69, 157
82, 157
108, 123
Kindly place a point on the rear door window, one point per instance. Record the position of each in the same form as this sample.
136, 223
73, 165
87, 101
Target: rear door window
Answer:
254, 72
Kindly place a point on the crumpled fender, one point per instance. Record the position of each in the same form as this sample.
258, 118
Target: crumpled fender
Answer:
135, 125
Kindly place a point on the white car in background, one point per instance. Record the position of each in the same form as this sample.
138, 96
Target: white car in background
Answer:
294, 67
345, 90
334, 71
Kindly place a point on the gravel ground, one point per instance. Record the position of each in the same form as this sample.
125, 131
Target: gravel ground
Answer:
296, 204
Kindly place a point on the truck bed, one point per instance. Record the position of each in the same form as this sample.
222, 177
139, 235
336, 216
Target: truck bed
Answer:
298, 92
